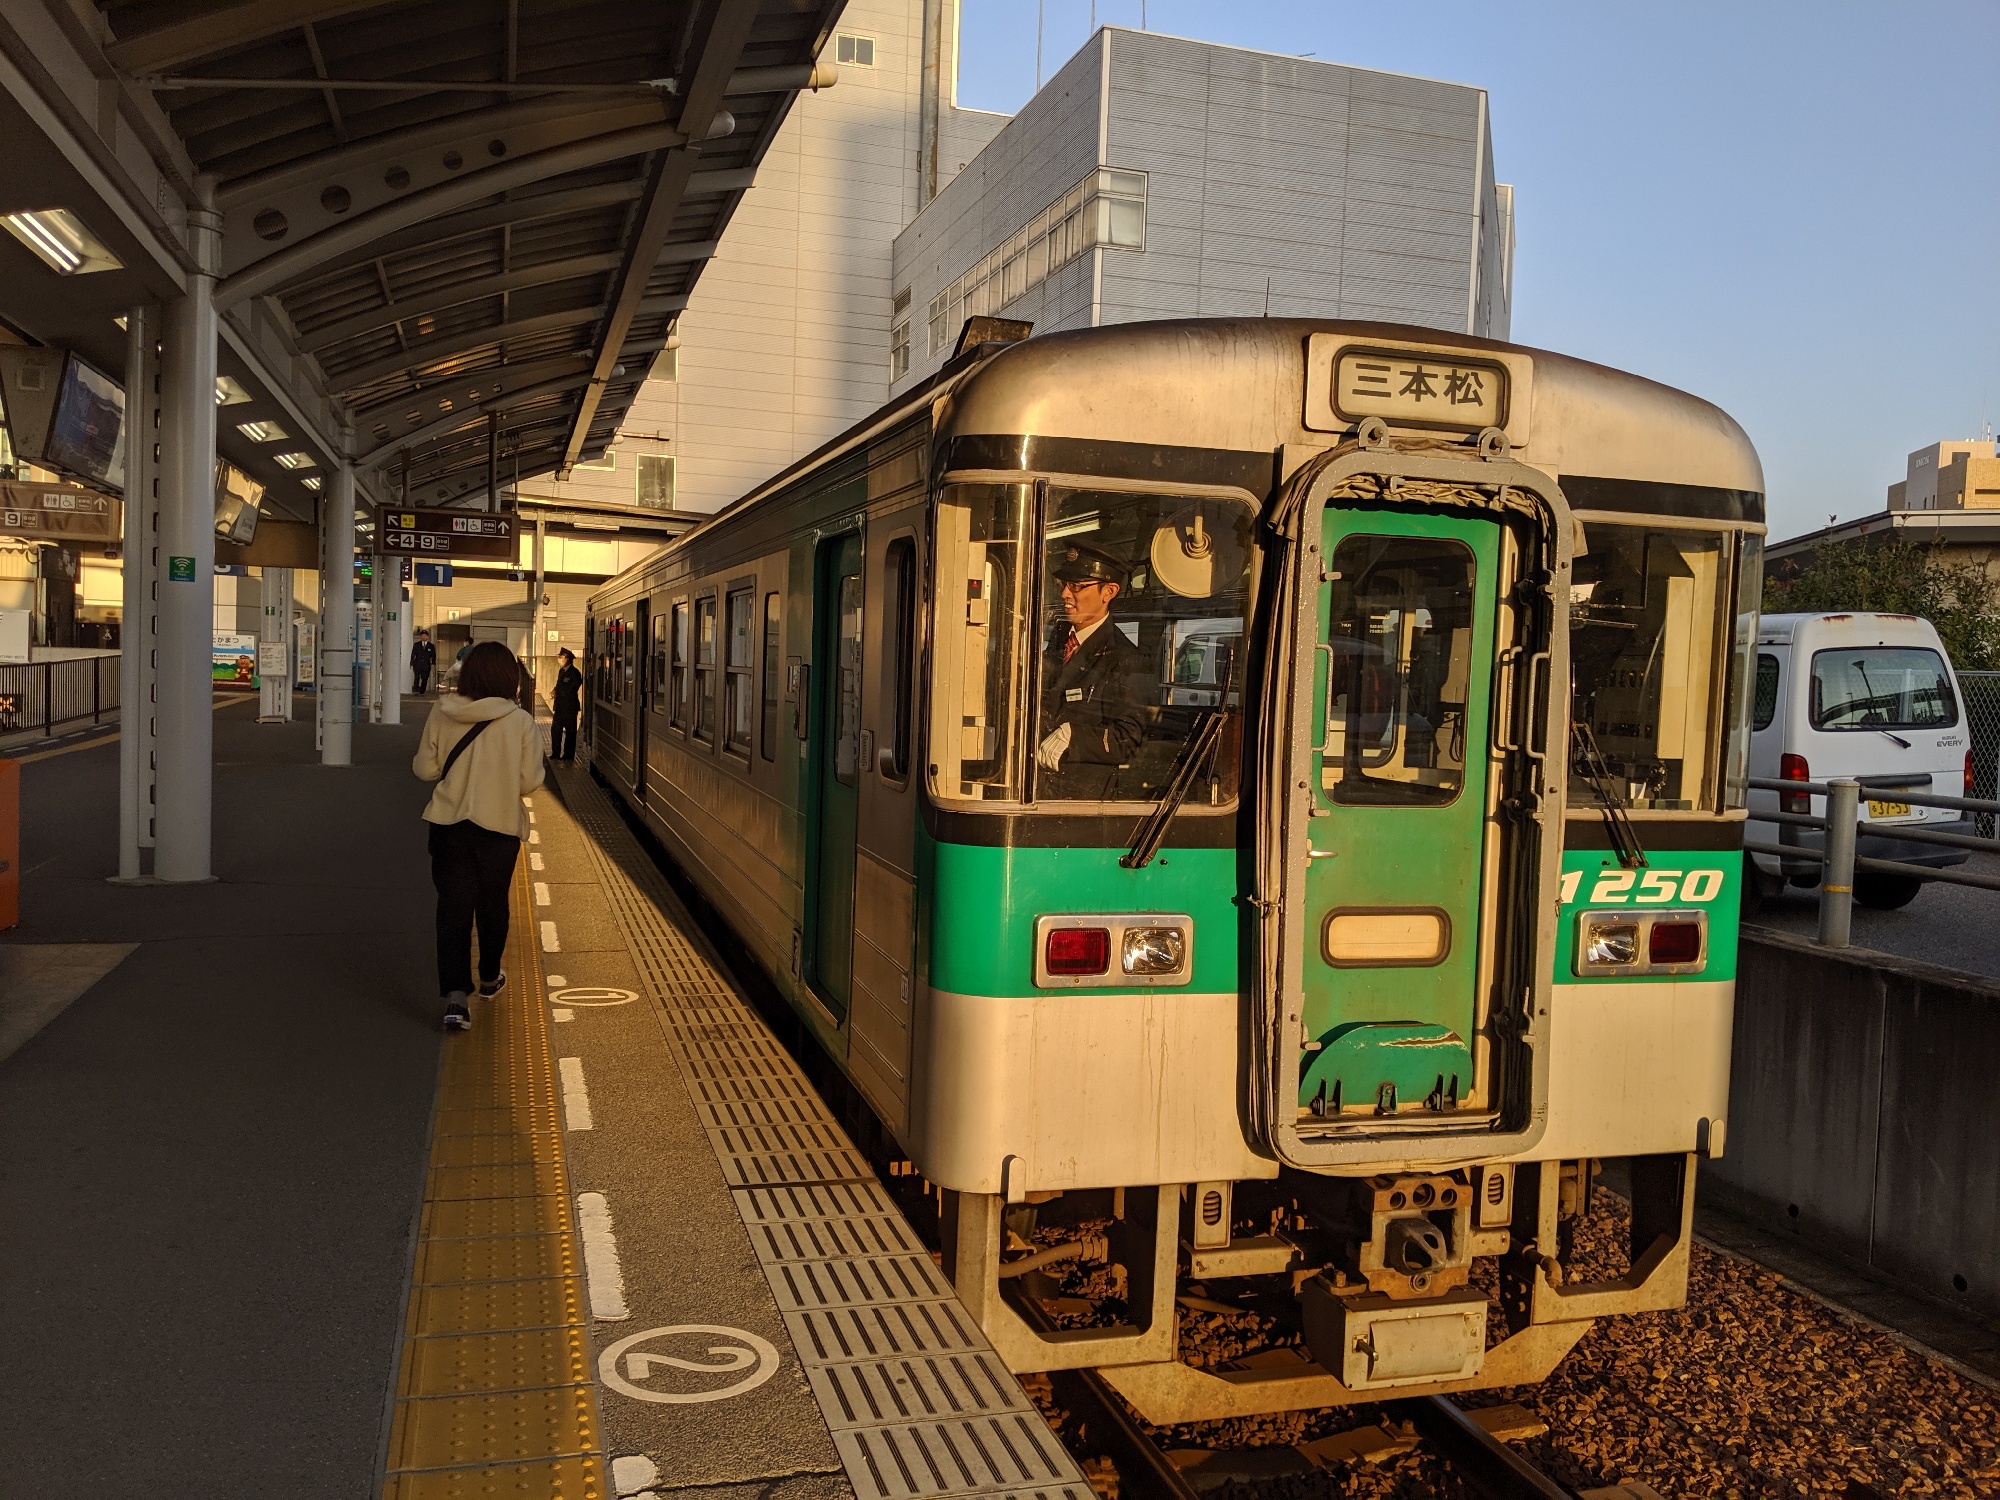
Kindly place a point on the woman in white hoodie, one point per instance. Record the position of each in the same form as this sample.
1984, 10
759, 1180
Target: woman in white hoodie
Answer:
484, 753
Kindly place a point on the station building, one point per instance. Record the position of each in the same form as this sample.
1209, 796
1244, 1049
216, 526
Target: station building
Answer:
1151, 177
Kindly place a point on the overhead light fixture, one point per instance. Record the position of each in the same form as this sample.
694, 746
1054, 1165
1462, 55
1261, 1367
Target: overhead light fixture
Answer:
229, 393
262, 432
297, 460
61, 241
311, 481
124, 323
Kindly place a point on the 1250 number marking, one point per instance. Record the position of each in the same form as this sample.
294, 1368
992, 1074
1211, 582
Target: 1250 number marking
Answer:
1645, 887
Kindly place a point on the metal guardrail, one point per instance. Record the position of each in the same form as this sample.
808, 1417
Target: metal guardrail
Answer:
48, 696
1842, 823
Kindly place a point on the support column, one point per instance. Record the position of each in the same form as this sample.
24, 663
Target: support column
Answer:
392, 638
139, 559
186, 673
537, 636
336, 618
274, 644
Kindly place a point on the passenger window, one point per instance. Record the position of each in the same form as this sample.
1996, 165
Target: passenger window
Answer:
1144, 598
736, 690
847, 708
1400, 673
678, 668
773, 645
704, 668
1765, 709
899, 588
656, 686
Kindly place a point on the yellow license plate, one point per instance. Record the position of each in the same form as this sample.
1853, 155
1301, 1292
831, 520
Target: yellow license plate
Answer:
1888, 809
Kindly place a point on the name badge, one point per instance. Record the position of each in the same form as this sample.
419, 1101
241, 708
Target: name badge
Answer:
1074, 695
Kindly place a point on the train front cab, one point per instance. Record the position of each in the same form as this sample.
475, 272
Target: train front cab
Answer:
1413, 952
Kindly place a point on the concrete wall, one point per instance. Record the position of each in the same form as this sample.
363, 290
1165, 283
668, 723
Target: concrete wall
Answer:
1864, 1112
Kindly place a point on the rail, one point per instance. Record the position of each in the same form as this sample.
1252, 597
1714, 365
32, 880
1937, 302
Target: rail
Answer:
45, 697
1841, 824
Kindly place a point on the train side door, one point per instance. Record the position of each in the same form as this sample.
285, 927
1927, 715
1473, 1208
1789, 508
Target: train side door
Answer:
836, 769
642, 642
885, 910
1395, 874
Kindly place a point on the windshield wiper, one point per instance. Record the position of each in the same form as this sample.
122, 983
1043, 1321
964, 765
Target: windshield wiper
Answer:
1588, 761
1152, 830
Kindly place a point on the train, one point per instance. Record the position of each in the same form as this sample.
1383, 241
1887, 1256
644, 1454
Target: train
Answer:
1269, 790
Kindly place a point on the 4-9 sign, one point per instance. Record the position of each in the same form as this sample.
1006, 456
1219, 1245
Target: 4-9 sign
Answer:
446, 534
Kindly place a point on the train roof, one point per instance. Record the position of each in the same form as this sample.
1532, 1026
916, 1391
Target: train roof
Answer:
1236, 384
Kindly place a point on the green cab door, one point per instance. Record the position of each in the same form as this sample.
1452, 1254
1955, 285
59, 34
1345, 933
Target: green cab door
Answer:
1397, 833
836, 761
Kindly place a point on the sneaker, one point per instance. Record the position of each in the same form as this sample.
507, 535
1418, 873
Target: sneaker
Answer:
457, 1017
488, 988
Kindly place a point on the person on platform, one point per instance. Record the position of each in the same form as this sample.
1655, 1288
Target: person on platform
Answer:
484, 752
423, 657
1093, 681
564, 706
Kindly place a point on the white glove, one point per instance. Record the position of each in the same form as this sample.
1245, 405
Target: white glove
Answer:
1049, 753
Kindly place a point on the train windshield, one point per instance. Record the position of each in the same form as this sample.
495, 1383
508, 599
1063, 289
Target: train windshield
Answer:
1648, 659
1092, 691
1142, 611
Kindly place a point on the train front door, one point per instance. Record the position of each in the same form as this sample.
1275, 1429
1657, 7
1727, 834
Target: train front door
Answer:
1395, 877
836, 766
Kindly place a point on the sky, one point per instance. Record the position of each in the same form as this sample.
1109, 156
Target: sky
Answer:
1790, 209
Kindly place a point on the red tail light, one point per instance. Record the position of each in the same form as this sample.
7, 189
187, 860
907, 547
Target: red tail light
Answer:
1674, 943
1968, 792
1078, 950
1794, 768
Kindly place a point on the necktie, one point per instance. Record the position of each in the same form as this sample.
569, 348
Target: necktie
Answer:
1069, 646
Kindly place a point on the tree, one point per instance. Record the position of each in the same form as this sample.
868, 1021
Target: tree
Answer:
1900, 577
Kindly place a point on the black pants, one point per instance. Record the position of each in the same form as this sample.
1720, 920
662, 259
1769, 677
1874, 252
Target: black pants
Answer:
421, 677
562, 734
472, 868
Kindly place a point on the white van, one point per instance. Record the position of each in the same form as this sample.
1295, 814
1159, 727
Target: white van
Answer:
1862, 695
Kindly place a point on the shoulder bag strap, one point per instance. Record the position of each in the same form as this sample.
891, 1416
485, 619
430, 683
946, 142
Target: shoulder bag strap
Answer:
464, 743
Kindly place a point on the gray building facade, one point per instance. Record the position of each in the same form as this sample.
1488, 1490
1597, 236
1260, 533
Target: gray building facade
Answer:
1156, 177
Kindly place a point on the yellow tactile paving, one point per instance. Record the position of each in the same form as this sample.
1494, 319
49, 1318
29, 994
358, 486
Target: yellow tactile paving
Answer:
495, 1257
494, 1396
492, 1361
557, 1479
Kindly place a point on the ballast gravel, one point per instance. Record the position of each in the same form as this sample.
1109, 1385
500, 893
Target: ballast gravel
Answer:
1750, 1390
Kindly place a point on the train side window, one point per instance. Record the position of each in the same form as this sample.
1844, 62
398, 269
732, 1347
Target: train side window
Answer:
899, 588
736, 685
656, 685
678, 667
773, 666
704, 668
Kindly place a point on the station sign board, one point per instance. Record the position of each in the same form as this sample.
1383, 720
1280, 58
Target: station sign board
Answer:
439, 534
58, 512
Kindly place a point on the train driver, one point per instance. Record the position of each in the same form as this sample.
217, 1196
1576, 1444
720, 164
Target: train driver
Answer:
1093, 681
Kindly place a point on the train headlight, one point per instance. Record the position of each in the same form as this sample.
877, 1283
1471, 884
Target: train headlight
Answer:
1626, 944
1611, 944
1114, 950
1152, 950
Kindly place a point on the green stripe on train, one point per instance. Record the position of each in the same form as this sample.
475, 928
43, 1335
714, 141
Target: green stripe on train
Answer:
986, 901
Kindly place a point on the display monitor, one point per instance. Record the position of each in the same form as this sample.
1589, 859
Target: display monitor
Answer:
87, 432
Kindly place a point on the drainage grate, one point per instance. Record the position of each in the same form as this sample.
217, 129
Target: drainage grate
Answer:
919, 1405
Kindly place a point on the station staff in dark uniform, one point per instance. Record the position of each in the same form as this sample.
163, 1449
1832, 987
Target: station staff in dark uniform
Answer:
423, 656
564, 705
1093, 682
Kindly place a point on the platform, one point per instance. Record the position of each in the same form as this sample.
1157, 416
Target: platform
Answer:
609, 1242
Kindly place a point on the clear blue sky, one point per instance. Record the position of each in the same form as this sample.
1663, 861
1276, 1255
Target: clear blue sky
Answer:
1791, 209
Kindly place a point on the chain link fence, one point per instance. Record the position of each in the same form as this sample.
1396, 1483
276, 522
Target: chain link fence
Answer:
1982, 718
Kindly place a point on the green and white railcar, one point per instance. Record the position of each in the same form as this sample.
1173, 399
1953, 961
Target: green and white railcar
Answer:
1340, 958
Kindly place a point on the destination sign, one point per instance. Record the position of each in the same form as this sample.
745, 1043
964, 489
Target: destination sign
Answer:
1419, 390
446, 534
58, 512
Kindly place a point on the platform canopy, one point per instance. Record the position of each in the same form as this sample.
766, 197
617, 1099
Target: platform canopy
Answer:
449, 224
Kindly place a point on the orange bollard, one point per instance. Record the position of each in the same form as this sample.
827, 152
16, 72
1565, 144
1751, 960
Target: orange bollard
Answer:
10, 844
